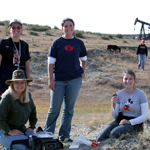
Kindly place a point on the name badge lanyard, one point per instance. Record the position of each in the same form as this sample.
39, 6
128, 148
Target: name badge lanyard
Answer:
19, 53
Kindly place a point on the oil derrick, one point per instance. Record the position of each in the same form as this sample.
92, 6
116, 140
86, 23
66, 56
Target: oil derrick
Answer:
142, 28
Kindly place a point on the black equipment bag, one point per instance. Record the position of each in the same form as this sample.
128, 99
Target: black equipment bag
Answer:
40, 141
36, 143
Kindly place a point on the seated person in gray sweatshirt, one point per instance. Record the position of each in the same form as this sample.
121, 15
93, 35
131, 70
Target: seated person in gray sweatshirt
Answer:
129, 109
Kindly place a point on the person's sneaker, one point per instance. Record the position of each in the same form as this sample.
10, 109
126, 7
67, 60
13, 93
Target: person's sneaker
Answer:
65, 140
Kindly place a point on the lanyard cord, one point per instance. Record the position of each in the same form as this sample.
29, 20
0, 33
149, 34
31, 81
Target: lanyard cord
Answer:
19, 52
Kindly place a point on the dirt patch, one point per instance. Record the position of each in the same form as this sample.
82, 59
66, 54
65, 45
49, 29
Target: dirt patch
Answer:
103, 77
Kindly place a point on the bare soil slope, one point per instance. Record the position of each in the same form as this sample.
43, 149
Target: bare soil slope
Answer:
103, 77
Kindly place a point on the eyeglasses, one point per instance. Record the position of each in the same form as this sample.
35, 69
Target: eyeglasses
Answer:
18, 27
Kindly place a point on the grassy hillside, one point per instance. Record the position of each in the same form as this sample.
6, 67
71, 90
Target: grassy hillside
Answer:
103, 74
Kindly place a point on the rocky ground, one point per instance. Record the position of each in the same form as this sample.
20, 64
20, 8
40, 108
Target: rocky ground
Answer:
103, 74
125, 142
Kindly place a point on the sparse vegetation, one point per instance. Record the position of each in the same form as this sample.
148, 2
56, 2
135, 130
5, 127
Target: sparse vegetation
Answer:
119, 36
47, 33
103, 77
124, 41
39, 28
105, 37
79, 33
2, 23
55, 27
33, 33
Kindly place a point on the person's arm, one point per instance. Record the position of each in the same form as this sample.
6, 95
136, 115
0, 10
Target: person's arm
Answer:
14, 132
115, 107
50, 69
27, 65
143, 117
146, 51
4, 109
137, 51
83, 65
33, 116
29, 130
113, 101
51, 82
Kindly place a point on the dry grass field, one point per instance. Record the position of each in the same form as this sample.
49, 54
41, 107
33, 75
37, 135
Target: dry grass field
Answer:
103, 77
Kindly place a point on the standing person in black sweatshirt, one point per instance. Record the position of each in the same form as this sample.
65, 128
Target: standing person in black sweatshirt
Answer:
14, 54
142, 53
65, 76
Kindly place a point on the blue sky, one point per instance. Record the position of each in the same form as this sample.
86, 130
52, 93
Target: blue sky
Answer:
104, 16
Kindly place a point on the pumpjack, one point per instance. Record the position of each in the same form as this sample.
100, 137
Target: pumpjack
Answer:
142, 28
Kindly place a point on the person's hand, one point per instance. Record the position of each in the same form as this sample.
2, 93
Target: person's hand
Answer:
114, 100
136, 56
15, 132
83, 75
124, 121
51, 84
29, 130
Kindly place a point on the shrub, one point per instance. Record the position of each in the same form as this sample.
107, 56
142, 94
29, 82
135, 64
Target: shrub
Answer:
55, 27
39, 28
94, 33
89, 32
47, 33
97, 33
2, 23
110, 36
105, 37
6, 23
25, 24
124, 41
119, 36
79, 33
33, 33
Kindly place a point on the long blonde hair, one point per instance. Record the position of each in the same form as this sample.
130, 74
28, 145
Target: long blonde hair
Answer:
24, 96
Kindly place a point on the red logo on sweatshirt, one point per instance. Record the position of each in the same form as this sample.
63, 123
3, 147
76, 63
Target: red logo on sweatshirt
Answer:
126, 107
68, 48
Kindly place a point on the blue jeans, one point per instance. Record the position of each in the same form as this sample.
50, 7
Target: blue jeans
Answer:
141, 60
114, 130
65, 92
6, 141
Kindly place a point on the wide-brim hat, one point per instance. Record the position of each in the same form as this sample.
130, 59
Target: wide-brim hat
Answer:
18, 75
15, 20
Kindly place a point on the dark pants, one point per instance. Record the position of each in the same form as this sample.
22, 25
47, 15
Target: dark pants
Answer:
3, 78
115, 130
6, 74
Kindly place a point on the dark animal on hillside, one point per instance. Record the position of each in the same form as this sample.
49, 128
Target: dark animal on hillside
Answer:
114, 47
